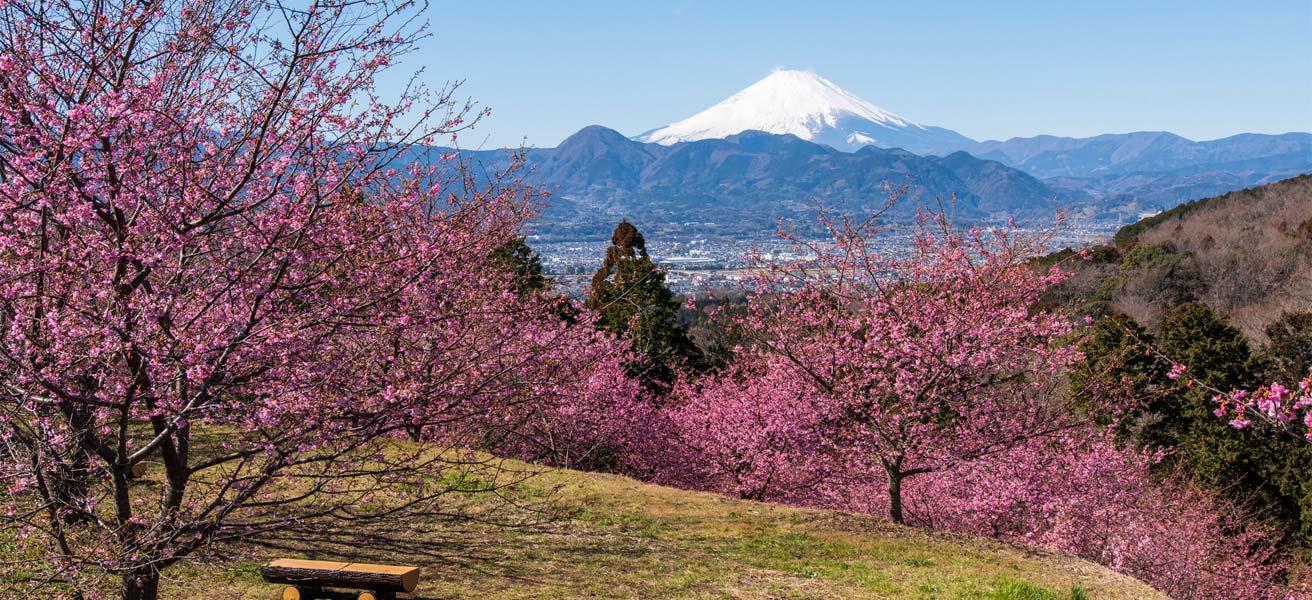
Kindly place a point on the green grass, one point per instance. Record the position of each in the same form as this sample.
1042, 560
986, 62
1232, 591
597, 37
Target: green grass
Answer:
1019, 590
581, 535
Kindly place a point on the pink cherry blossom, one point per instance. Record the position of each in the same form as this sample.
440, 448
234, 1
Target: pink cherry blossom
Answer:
226, 260
883, 367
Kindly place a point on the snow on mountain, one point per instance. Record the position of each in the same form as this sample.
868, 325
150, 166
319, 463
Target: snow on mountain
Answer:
806, 105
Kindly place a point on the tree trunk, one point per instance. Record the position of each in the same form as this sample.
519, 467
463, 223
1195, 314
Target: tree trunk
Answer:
895, 496
141, 585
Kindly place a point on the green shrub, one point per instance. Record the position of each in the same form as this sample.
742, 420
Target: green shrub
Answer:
1148, 256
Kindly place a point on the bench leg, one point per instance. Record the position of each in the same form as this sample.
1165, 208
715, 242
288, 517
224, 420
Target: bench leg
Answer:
378, 596
294, 592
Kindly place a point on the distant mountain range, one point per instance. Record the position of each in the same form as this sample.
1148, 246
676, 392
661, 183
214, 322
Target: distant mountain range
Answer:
794, 140
749, 180
1154, 169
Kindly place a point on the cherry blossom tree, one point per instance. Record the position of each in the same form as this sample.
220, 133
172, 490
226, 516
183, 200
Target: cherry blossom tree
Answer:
232, 282
889, 365
753, 435
586, 411
927, 385
1079, 493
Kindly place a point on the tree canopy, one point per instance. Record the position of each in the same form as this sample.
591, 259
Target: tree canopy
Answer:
629, 293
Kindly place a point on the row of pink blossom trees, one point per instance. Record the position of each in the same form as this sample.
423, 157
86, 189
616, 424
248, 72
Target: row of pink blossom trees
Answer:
929, 385
1080, 493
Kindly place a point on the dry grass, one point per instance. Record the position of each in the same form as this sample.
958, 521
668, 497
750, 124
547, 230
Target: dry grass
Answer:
580, 535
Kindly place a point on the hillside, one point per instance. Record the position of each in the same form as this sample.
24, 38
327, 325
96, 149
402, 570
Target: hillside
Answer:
604, 536
1246, 254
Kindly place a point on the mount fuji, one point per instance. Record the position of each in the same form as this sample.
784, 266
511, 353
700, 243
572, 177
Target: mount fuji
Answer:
806, 105
795, 139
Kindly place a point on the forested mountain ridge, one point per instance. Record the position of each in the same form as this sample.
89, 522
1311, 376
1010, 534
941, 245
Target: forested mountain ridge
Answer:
1246, 254
749, 180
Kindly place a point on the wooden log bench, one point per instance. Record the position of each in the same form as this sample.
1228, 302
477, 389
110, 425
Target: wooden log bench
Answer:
307, 579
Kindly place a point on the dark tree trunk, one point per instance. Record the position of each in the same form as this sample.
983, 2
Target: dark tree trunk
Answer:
895, 496
141, 585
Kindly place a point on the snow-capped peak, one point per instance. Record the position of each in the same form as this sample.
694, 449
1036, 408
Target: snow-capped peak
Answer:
800, 103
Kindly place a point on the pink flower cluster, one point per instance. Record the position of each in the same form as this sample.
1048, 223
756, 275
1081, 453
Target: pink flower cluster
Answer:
1275, 404
1079, 493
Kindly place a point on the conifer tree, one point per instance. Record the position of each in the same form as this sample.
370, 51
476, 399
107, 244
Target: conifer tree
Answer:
523, 264
630, 295
1290, 351
1118, 363
1268, 471
1219, 356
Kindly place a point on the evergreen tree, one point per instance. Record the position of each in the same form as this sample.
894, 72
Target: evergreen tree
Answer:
1118, 363
1217, 355
630, 294
1273, 472
1290, 352
525, 266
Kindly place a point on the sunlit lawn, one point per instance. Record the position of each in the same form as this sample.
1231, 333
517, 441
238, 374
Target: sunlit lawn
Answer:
581, 535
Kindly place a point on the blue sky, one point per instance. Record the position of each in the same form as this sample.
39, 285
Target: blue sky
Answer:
990, 69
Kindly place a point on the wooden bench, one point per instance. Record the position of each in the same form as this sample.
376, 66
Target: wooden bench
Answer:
307, 578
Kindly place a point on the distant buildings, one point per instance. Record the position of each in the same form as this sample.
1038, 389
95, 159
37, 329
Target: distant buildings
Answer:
698, 263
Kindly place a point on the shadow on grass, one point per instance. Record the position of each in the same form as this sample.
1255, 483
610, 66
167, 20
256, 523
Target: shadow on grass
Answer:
502, 553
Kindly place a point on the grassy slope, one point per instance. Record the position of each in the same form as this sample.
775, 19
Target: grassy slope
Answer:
613, 537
